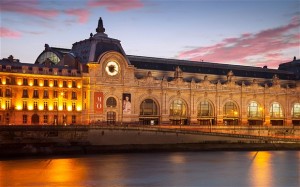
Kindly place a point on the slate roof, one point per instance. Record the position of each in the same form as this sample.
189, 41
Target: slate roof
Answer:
150, 63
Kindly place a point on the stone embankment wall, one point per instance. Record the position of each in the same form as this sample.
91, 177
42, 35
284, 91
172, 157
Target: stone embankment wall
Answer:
129, 137
42, 140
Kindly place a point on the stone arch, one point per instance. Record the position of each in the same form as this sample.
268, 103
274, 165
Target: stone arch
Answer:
149, 111
210, 102
112, 56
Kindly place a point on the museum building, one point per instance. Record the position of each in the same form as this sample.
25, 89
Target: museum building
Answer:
96, 82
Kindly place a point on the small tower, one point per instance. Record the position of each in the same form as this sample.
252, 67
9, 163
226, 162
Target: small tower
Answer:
100, 29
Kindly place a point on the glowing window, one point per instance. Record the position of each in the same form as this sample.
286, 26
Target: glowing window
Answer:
178, 108
296, 110
48, 55
254, 110
276, 110
205, 109
230, 109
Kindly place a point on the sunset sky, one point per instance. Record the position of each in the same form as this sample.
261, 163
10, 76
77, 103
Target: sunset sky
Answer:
244, 32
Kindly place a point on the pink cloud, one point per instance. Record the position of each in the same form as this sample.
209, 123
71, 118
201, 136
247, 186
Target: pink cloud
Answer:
117, 5
82, 14
29, 7
7, 33
264, 43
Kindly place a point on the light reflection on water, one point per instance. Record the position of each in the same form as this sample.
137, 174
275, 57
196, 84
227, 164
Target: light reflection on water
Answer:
263, 168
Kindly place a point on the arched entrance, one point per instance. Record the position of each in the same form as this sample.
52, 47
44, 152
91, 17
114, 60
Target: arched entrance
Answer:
149, 113
255, 114
205, 113
276, 114
178, 112
35, 119
296, 114
231, 114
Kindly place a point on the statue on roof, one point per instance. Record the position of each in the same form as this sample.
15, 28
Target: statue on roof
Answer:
100, 28
178, 73
230, 76
275, 80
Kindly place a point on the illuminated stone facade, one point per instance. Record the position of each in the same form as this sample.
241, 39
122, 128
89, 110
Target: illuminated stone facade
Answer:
95, 82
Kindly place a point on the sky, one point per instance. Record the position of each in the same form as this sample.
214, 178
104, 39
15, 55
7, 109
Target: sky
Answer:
242, 32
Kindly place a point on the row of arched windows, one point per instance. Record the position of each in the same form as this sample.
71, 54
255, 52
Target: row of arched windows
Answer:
178, 108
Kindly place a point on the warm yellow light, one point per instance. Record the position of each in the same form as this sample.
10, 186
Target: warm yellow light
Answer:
260, 108
78, 108
18, 107
69, 108
70, 85
41, 107
78, 86
30, 107
60, 85
60, 108
30, 83
41, 84
19, 82
3, 81
235, 112
3, 107
50, 107
51, 84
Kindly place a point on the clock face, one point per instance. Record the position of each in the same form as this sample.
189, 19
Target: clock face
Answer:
112, 68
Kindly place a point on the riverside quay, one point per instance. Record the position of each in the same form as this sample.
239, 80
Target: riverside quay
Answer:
97, 82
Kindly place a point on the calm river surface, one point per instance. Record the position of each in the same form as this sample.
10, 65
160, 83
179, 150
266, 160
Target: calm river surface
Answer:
263, 168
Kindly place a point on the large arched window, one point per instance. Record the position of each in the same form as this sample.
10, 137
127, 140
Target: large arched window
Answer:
230, 109
178, 108
111, 102
148, 107
276, 110
52, 56
205, 109
296, 110
254, 110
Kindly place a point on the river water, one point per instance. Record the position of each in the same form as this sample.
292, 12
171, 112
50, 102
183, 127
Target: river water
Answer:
240, 169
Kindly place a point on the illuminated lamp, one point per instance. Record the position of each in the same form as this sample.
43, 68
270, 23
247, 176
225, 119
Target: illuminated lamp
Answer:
69, 108
41, 107
78, 108
30, 107
18, 107
50, 107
